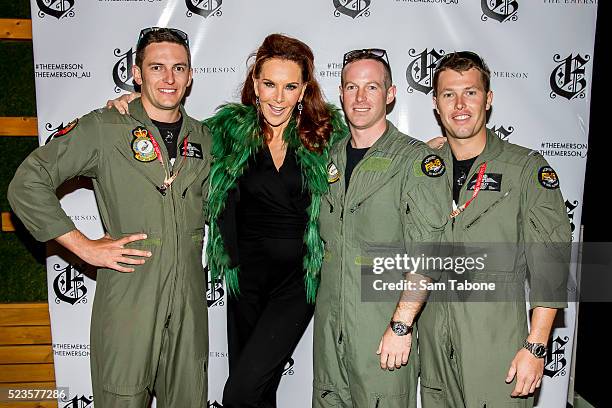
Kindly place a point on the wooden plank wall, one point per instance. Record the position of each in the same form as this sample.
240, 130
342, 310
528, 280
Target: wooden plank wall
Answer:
26, 354
10, 30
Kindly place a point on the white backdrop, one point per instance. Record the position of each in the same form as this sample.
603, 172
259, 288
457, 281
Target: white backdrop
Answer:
540, 54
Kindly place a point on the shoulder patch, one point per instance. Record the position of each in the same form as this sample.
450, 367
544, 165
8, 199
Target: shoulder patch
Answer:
548, 178
433, 166
332, 173
62, 130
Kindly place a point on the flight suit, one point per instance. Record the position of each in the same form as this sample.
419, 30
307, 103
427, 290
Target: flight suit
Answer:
149, 328
390, 202
467, 341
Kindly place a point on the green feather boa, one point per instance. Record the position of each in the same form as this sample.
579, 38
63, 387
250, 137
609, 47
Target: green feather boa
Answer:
237, 137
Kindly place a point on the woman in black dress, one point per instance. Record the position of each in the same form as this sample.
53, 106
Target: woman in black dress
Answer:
267, 179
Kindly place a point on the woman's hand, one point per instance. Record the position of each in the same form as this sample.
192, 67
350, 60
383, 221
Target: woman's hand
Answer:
121, 103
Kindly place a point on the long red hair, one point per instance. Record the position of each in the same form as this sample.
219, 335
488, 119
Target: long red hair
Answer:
314, 125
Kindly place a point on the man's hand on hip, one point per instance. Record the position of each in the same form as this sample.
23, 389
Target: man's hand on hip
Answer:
105, 252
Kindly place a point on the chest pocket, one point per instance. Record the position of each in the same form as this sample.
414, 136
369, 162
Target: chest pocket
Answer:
375, 205
492, 228
489, 204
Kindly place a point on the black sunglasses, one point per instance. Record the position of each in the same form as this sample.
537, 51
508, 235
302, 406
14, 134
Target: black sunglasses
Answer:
469, 55
180, 34
373, 53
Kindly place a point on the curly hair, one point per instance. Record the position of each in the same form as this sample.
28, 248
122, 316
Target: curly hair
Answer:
314, 125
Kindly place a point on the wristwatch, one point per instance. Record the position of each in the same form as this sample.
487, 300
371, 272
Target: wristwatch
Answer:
537, 349
400, 328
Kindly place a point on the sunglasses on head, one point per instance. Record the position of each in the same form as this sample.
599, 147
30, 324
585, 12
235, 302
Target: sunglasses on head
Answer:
373, 53
469, 55
180, 34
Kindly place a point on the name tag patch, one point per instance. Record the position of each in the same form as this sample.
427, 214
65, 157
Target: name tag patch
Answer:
490, 182
193, 150
376, 164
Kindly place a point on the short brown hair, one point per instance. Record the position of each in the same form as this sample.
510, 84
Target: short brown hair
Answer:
159, 35
462, 61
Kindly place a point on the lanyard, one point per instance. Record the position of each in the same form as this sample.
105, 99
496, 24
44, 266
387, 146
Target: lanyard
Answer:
168, 176
481, 172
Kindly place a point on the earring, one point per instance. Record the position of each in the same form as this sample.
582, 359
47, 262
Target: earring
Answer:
300, 107
257, 101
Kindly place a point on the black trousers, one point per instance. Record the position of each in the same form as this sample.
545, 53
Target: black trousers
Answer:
266, 321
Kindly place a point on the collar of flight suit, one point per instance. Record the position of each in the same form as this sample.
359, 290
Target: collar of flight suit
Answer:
188, 128
138, 112
383, 145
493, 148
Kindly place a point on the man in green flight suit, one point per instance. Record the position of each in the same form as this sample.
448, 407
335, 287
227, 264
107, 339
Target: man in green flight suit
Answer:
385, 190
479, 353
149, 327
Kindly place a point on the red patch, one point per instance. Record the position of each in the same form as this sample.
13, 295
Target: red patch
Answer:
62, 131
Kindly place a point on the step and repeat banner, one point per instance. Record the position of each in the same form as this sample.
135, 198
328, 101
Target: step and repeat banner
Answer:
540, 54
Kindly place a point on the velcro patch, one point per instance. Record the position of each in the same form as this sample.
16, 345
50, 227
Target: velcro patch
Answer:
375, 164
433, 166
490, 182
193, 150
548, 178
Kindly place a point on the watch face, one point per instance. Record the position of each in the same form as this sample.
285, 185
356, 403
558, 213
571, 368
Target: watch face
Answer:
539, 351
400, 328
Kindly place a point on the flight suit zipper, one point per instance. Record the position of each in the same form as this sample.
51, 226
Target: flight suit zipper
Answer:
341, 320
175, 217
343, 243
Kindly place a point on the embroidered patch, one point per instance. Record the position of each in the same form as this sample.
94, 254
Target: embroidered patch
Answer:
332, 173
548, 178
375, 164
490, 182
193, 150
62, 130
142, 146
433, 166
